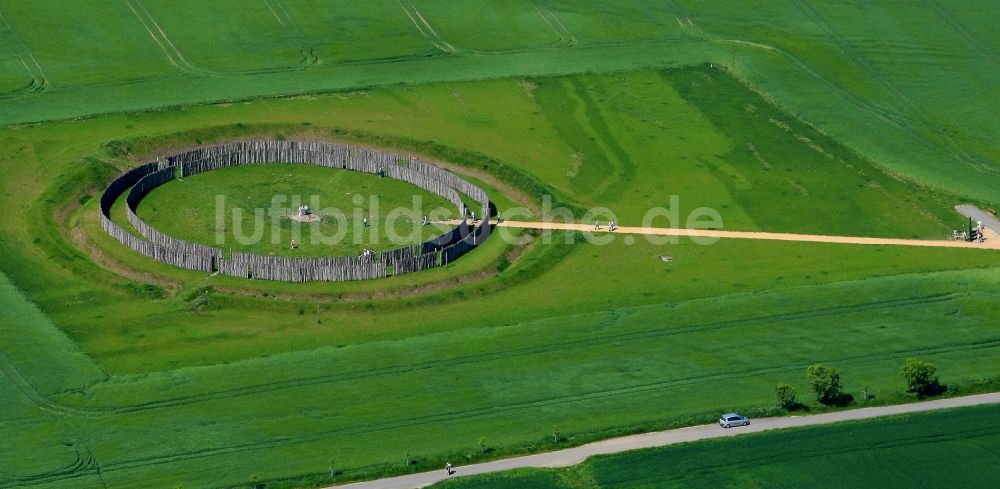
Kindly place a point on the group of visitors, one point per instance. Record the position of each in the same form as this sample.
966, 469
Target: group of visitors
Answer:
612, 225
472, 216
977, 233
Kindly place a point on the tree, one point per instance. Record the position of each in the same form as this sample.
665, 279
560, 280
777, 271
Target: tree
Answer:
408, 455
786, 396
555, 434
920, 378
254, 481
333, 471
825, 382
482, 445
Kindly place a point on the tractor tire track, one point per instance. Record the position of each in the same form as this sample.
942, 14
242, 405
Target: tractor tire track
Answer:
877, 113
566, 38
964, 32
306, 47
501, 355
173, 55
944, 140
39, 82
429, 34
482, 412
274, 13
163, 35
159, 43
81, 466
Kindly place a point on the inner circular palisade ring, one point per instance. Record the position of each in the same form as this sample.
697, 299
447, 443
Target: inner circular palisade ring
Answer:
437, 251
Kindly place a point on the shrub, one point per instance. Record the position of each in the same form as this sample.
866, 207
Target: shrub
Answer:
118, 149
137, 289
825, 382
920, 377
504, 264
786, 396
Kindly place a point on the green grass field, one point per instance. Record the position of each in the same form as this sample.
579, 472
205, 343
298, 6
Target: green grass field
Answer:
881, 96
787, 117
189, 209
938, 449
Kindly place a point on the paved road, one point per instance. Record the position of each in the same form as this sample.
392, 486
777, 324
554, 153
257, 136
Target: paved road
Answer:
989, 222
992, 243
573, 456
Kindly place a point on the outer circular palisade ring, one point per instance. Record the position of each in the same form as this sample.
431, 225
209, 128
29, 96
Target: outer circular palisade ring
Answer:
438, 251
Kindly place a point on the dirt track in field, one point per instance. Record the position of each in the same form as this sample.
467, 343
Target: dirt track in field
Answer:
993, 241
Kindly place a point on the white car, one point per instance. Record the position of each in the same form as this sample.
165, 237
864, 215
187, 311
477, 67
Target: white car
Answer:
733, 419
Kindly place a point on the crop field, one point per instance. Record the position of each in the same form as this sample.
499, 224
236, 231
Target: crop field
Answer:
933, 450
880, 94
857, 120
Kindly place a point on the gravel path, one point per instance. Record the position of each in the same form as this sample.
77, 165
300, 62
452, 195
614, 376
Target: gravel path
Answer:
813, 238
573, 456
